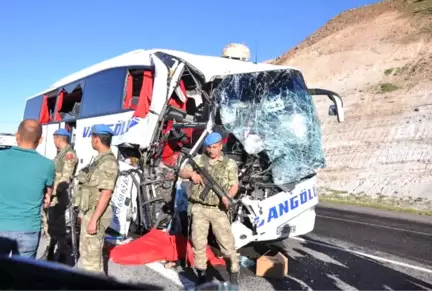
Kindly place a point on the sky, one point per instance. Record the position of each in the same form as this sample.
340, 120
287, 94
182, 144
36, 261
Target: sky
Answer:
45, 40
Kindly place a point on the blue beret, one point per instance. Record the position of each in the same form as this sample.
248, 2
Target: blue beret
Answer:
102, 129
212, 138
62, 131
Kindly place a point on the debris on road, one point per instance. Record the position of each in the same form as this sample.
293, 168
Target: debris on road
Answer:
272, 266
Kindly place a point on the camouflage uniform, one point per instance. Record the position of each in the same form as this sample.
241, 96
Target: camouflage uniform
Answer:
209, 212
100, 175
65, 163
44, 218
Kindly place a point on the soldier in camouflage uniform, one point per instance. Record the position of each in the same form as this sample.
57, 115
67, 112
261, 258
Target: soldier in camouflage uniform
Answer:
93, 196
212, 211
65, 163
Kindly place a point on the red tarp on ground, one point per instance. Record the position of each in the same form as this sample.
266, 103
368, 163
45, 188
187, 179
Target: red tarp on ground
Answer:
157, 245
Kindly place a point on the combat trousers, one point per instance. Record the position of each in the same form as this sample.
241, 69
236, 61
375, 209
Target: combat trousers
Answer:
202, 217
57, 227
91, 245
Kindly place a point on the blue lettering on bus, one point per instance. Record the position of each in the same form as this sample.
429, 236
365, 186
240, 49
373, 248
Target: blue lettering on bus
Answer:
280, 210
119, 128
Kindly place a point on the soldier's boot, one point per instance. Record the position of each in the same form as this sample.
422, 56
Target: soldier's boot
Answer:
61, 258
201, 277
234, 278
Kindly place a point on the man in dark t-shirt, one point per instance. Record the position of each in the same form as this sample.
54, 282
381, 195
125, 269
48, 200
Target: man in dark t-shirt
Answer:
26, 180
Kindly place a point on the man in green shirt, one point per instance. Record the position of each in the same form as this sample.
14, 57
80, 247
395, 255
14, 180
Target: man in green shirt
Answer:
26, 180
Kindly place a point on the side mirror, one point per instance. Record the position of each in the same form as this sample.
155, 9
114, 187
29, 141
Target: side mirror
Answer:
336, 109
332, 110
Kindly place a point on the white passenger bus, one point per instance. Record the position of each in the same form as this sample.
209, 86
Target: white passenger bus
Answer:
7, 140
161, 102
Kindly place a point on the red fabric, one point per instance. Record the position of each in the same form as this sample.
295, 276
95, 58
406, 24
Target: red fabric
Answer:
60, 97
176, 102
145, 97
169, 155
129, 93
226, 138
157, 245
44, 116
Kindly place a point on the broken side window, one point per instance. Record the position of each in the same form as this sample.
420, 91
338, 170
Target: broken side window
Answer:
48, 107
138, 91
69, 102
133, 88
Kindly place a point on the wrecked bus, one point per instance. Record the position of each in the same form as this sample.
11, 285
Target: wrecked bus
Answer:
7, 140
162, 103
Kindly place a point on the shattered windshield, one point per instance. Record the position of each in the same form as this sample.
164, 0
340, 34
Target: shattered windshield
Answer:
273, 112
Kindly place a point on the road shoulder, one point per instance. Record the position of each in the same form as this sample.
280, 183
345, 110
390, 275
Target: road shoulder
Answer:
424, 219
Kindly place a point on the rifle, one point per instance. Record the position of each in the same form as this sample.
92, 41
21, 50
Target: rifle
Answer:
209, 182
73, 226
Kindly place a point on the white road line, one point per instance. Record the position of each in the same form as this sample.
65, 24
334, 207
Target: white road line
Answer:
368, 256
300, 282
375, 225
171, 275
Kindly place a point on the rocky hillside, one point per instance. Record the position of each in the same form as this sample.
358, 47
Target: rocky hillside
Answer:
379, 58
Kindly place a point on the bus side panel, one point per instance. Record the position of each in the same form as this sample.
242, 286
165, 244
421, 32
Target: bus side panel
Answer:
50, 148
42, 146
83, 146
47, 147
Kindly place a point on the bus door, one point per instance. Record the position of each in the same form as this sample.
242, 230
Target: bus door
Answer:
41, 147
47, 147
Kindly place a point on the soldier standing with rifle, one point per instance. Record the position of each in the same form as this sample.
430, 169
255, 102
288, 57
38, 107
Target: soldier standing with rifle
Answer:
211, 210
93, 196
65, 163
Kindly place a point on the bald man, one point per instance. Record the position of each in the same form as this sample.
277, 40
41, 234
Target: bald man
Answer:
26, 183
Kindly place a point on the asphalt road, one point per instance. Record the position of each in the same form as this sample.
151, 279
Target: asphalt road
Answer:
350, 248
407, 236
